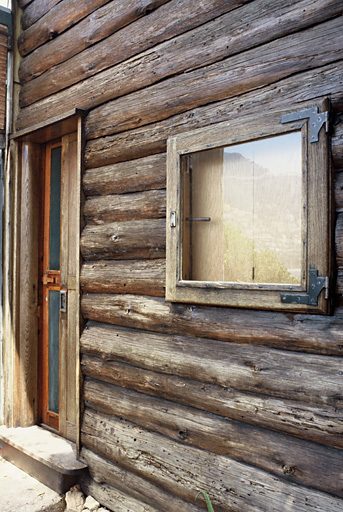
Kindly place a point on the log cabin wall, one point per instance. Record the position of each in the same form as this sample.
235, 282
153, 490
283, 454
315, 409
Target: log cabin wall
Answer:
246, 405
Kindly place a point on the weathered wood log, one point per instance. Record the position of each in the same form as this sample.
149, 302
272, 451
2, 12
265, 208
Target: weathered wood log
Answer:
242, 367
152, 139
35, 11
113, 498
281, 415
339, 287
133, 176
298, 52
178, 94
339, 192
24, 3
337, 144
142, 277
135, 239
97, 26
205, 45
103, 470
281, 455
309, 333
339, 240
58, 19
180, 469
138, 205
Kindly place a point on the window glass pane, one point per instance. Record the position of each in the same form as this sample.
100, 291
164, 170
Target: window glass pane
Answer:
55, 209
53, 350
242, 212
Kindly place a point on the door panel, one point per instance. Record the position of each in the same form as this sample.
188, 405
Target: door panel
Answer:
50, 282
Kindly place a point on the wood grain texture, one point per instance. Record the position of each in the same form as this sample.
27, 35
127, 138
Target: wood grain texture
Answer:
99, 25
281, 455
137, 205
140, 488
281, 415
134, 276
339, 240
132, 176
206, 44
338, 184
35, 10
56, 20
133, 239
28, 281
308, 333
298, 52
113, 498
220, 80
243, 367
24, 3
234, 485
151, 139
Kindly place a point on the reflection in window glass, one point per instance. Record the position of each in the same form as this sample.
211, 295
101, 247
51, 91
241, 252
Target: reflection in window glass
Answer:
242, 218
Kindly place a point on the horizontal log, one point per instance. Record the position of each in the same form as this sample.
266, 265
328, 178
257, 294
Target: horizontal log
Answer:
295, 53
288, 93
135, 239
133, 176
113, 498
281, 455
339, 192
339, 288
137, 205
180, 469
164, 24
35, 11
310, 333
103, 470
323, 425
202, 46
99, 25
24, 3
58, 19
143, 277
337, 144
339, 240
230, 365
207, 84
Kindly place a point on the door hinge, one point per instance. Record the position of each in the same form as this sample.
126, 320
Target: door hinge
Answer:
316, 120
316, 285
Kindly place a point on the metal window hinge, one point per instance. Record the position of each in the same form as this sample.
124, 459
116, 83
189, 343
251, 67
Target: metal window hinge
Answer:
317, 119
316, 285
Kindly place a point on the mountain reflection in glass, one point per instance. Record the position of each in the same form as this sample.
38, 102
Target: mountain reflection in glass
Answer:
252, 194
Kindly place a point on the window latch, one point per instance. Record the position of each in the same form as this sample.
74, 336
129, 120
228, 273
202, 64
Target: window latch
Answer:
316, 285
316, 120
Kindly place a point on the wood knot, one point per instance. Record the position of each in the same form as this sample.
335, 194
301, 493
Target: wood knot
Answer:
288, 470
183, 434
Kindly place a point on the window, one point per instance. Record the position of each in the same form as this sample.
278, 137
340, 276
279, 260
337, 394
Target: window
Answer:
248, 220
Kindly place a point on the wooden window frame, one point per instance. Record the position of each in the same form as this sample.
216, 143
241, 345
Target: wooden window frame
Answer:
318, 227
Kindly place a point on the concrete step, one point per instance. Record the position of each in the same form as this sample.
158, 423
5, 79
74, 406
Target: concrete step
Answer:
49, 458
21, 493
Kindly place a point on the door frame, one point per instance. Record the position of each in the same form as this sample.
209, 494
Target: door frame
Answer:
21, 319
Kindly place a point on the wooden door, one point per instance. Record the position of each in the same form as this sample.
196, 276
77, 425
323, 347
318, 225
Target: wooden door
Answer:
50, 286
